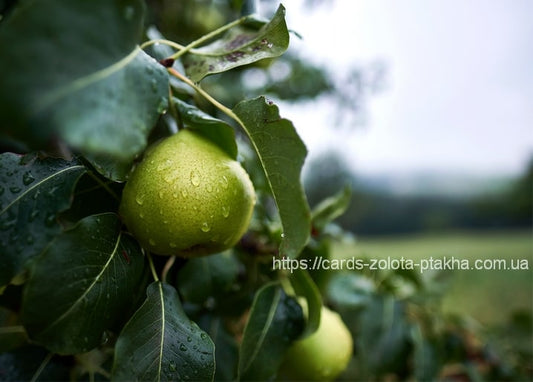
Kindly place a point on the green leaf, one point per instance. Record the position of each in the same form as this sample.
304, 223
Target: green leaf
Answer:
331, 208
12, 337
226, 347
349, 290
32, 192
216, 130
383, 335
275, 321
159, 343
12, 333
282, 154
207, 276
242, 45
428, 356
28, 362
304, 286
89, 86
81, 285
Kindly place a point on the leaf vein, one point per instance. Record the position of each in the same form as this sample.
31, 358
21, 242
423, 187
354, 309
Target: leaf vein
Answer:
85, 81
104, 268
38, 184
268, 322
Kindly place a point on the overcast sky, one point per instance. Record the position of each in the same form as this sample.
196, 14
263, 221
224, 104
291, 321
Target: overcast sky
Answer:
459, 93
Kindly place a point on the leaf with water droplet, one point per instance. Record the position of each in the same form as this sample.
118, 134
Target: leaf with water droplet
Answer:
62, 317
114, 82
241, 45
282, 154
161, 325
275, 321
29, 209
210, 276
213, 129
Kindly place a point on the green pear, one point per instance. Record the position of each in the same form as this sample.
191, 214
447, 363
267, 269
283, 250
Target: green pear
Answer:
187, 198
323, 355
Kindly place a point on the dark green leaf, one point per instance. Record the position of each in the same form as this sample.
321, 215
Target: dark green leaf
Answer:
427, 356
240, 46
383, 337
32, 193
226, 348
304, 286
282, 154
275, 321
330, 209
350, 290
90, 86
81, 285
216, 130
25, 363
318, 250
12, 333
207, 276
160, 343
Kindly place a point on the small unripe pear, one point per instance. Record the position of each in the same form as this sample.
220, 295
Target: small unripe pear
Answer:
188, 198
323, 355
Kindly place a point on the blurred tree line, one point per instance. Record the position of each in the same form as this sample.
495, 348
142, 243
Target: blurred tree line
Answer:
382, 212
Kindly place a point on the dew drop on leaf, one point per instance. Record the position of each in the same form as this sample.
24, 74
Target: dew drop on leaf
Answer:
172, 245
153, 84
203, 335
184, 193
189, 339
15, 189
209, 188
27, 178
183, 347
50, 220
162, 107
139, 199
129, 12
34, 215
151, 241
172, 366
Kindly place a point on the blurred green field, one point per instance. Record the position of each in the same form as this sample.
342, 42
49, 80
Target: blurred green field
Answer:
487, 295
